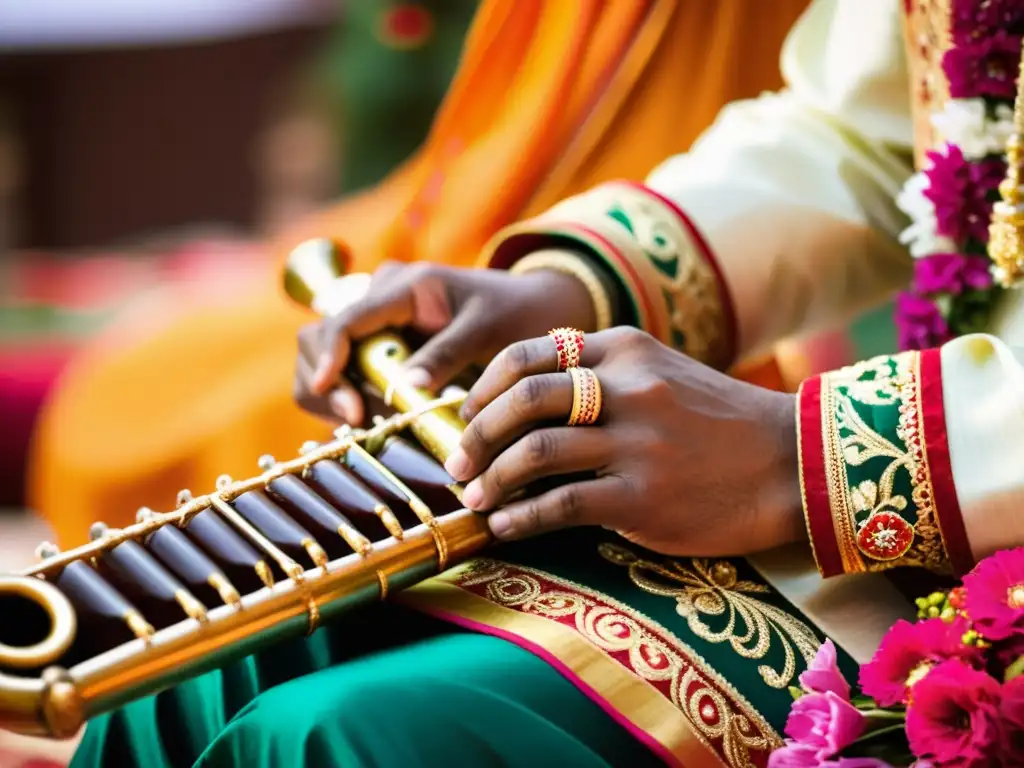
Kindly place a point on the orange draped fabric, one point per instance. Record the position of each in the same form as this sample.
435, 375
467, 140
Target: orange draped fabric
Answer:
550, 99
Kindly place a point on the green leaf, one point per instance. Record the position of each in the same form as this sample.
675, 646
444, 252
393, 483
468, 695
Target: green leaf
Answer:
795, 692
1014, 670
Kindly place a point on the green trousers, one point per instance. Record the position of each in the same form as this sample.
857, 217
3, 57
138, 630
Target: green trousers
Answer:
384, 687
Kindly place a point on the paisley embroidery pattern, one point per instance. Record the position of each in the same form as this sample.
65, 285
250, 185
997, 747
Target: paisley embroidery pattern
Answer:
879, 484
704, 588
721, 717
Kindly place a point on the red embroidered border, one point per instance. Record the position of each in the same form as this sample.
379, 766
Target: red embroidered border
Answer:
728, 306
690, 687
814, 479
940, 470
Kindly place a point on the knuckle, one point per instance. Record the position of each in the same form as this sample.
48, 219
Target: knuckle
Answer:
528, 393
653, 390
540, 448
568, 505
473, 438
516, 359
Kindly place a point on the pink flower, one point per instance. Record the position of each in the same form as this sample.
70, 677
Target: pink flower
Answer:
951, 273
953, 719
984, 66
825, 721
961, 192
972, 19
995, 594
906, 654
794, 755
1011, 711
919, 322
823, 675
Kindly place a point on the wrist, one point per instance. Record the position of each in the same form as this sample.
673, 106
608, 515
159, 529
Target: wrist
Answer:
584, 274
563, 298
782, 503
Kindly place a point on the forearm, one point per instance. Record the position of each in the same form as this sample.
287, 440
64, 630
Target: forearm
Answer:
914, 459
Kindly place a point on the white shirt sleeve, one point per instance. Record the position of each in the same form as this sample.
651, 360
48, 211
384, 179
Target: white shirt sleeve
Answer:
795, 191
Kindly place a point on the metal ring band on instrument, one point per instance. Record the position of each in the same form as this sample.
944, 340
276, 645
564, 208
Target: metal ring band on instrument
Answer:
63, 623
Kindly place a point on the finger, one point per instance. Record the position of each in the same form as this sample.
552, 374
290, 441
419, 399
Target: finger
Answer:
530, 401
593, 502
541, 453
515, 362
446, 355
341, 404
392, 306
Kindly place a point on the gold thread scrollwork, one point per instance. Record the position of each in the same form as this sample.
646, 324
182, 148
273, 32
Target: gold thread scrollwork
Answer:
711, 588
721, 717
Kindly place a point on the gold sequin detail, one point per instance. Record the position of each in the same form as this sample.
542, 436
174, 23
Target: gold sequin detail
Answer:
711, 588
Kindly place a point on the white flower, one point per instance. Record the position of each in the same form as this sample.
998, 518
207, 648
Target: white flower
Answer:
921, 236
965, 123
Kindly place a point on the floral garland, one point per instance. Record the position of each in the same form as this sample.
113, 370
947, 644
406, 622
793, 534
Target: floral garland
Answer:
944, 692
950, 200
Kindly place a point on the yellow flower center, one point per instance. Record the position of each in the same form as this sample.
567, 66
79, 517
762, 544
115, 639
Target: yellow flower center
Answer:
1015, 596
917, 673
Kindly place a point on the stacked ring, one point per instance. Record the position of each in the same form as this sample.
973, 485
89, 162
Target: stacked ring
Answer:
569, 345
586, 397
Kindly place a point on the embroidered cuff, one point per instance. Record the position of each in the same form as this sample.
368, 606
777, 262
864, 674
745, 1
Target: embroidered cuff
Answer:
874, 468
675, 288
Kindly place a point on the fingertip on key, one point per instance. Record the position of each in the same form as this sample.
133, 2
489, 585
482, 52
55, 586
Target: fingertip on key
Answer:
501, 524
458, 464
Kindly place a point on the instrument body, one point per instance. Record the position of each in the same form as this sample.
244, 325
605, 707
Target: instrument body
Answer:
146, 607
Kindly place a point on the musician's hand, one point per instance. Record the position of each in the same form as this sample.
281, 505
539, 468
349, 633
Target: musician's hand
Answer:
684, 460
470, 314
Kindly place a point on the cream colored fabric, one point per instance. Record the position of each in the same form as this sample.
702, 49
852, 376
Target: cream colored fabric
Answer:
983, 393
796, 191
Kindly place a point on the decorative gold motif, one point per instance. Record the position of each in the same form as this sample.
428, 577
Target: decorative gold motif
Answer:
586, 397
721, 717
711, 588
851, 442
696, 309
1006, 232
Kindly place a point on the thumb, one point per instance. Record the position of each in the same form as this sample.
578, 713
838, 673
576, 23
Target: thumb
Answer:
448, 353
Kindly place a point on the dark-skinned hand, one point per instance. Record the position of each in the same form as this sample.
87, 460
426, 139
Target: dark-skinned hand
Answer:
469, 315
683, 460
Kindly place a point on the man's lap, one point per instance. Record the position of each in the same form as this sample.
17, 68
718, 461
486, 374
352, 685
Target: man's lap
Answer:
388, 687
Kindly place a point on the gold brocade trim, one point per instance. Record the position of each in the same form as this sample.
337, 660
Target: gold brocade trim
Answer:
570, 621
671, 264
711, 588
835, 477
851, 442
927, 38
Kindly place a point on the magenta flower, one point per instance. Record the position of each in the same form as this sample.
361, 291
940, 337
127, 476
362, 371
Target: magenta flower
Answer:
951, 273
1011, 712
823, 675
983, 66
953, 719
907, 653
972, 19
960, 192
919, 323
824, 722
995, 594
794, 755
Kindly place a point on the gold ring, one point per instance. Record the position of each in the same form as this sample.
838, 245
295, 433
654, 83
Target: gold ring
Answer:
568, 345
586, 397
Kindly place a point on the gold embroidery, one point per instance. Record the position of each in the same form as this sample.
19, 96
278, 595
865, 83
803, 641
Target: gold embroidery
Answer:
851, 442
707, 588
654, 654
695, 304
